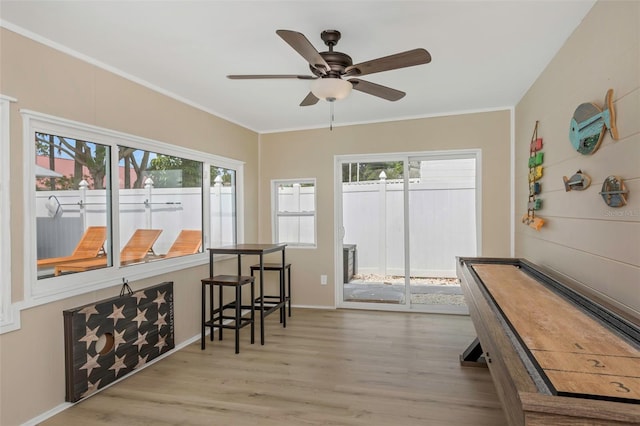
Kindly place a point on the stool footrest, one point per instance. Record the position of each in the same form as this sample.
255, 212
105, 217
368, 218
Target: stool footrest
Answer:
230, 280
243, 322
270, 266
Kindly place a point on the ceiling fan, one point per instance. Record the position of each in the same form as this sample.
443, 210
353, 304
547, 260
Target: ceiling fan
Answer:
330, 67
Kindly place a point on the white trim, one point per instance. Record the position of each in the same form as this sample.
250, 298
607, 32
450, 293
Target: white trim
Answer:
479, 201
406, 228
392, 119
275, 213
239, 168
512, 186
338, 230
37, 292
399, 156
9, 320
325, 307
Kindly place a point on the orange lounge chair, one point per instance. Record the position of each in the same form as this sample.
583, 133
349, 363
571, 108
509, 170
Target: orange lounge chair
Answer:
136, 249
88, 247
188, 242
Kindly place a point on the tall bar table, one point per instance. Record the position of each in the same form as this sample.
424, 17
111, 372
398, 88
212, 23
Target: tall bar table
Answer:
256, 250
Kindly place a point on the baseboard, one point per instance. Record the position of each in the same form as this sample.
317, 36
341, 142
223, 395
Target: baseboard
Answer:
313, 307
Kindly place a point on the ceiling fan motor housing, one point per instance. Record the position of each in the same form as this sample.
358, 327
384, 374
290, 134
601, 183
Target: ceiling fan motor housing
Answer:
337, 61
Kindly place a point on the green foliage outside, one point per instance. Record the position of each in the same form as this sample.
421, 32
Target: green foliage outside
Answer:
362, 172
166, 171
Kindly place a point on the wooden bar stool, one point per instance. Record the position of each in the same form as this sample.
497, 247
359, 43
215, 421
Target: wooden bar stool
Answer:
217, 316
284, 295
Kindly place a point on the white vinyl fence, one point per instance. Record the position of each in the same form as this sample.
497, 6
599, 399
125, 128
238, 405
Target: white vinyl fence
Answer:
442, 226
169, 209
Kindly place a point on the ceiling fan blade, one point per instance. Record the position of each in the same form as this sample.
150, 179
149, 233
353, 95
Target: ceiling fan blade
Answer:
309, 100
266, 76
304, 47
374, 89
392, 62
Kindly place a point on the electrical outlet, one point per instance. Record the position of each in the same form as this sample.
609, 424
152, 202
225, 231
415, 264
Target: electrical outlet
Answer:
323, 279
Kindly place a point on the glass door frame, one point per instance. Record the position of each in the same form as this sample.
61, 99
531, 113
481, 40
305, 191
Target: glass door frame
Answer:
339, 232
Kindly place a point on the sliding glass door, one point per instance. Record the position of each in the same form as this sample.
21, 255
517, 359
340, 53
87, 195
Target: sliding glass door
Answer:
403, 219
373, 221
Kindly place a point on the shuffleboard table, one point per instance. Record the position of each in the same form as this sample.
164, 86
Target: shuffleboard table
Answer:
556, 356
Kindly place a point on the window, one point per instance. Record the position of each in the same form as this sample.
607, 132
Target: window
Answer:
223, 205
160, 206
294, 212
107, 205
6, 317
72, 192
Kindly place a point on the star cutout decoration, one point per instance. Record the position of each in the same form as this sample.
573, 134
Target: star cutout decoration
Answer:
139, 295
161, 343
88, 311
118, 339
141, 361
140, 318
161, 321
90, 336
142, 340
160, 300
92, 362
118, 364
117, 314
91, 388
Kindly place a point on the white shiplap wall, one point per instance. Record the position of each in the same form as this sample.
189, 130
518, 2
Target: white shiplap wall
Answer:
583, 238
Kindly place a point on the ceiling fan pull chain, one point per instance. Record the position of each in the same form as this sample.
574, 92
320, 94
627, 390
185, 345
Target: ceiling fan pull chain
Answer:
331, 115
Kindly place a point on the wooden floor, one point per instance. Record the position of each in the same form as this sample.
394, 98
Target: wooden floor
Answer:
327, 367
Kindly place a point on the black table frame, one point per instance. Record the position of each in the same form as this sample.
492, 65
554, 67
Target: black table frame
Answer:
257, 250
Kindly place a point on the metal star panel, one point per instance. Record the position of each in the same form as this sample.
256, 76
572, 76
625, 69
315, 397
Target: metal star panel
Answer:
107, 340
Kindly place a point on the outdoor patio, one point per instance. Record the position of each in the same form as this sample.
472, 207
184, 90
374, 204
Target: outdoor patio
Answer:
390, 289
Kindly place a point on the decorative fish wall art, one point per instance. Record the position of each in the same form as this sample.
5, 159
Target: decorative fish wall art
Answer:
578, 182
614, 193
589, 123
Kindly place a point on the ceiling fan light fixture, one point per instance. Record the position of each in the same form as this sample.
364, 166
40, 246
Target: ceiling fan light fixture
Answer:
331, 89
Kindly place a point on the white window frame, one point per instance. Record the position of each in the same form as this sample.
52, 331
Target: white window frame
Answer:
275, 213
8, 319
56, 288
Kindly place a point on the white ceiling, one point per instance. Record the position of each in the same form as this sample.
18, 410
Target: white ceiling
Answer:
486, 54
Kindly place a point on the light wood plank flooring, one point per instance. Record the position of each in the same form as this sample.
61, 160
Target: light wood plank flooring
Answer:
342, 367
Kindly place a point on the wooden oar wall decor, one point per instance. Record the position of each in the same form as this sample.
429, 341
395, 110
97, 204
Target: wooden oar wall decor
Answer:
536, 158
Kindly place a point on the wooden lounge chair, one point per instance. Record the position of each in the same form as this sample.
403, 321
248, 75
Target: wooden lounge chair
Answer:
187, 242
136, 249
88, 247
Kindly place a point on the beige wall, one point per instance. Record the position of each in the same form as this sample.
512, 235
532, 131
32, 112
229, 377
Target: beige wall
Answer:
47, 81
310, 154
583, 238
